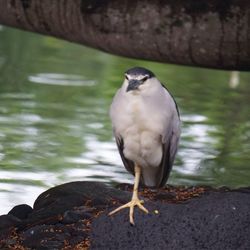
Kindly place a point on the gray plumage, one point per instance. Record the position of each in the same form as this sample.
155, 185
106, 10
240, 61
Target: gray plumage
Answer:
146, 126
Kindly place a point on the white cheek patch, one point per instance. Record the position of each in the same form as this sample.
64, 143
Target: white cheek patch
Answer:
145, 86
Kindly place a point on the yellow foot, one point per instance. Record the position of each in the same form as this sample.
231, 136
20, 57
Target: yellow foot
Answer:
131, 205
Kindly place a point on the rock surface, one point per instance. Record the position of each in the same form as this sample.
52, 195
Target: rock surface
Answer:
213, 221
74, 216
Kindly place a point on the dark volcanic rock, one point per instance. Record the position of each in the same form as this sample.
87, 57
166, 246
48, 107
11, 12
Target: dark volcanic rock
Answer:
52, 236
74, 215
53, 203
77, 193
60, 217
8, 221
21, 211
213, 221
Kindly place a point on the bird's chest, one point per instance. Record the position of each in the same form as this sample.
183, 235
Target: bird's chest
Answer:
141, 134
138, 114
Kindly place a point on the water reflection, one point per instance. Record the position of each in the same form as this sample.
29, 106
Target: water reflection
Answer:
54, 126
61, 79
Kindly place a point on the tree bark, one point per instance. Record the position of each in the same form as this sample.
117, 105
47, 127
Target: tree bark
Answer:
206, 33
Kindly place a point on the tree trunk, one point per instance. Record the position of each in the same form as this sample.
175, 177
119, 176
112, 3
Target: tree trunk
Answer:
206, 33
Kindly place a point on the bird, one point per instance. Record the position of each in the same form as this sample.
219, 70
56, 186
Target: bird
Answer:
146, 125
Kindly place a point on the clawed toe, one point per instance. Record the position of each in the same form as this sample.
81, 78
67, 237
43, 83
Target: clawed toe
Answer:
131, 205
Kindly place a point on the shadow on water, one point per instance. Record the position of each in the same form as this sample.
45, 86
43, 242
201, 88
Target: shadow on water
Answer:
54, 124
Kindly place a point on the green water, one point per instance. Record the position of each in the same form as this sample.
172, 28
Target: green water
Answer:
54, 124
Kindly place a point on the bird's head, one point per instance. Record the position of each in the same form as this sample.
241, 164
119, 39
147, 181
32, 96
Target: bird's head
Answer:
138, 78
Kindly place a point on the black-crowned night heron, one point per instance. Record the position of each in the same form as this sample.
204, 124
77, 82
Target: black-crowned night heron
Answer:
146, 126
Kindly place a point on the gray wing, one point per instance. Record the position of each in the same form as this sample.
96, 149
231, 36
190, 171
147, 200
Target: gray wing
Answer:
129, 165
114, 110
169, 151
169, 148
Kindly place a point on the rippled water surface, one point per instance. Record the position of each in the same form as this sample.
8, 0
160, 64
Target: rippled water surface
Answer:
54, 124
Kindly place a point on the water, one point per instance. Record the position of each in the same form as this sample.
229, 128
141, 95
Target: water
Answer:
54, 124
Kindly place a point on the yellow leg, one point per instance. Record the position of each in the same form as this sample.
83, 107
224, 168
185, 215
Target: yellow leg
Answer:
135, 200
